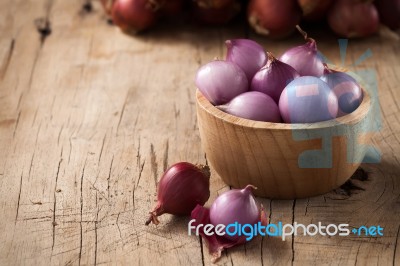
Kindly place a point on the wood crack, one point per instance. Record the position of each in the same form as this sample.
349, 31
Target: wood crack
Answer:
165, 159
55, 202
37, 218
122, 113
16, 123
101, 193
95, 231
293, 208
102, 147
395, 245
81, 200
119, 229
19, 197
59, 135
308, 203
34, 151
153, 161
4, 67
140, 174
358, 251
263, 237
108, 179
201, 251
19, 99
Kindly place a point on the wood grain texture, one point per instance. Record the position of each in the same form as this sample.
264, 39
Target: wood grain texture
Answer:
90, 118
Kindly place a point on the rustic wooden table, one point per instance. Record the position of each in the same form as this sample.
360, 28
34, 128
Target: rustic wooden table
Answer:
90, 118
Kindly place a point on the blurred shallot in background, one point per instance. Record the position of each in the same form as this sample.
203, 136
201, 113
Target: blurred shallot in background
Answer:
273, 19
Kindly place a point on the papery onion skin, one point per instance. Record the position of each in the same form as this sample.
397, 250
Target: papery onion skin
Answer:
221, 81
304, 58
236, 205
215, 12
346, 89
181, 188
389, 12
353, 19
133, 16
273, 18
314, 10
307, 100
216, 244
253, 105
273, 78
247, 54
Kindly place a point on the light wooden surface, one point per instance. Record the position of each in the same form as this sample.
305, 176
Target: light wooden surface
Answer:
90, 118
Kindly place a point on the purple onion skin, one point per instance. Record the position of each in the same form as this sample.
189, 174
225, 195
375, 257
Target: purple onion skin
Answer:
247, 54
181, 188
273, 78
308, 100
304, 59
253, 105
221, 81
346, 89
236, 205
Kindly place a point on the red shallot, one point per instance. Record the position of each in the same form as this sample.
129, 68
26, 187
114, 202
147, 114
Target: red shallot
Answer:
304, 58
253, 105
221, 81
273, 18
346, 89
247, 54
234, 206
132, 16
272, 78
353, 18
307, 100
181, 188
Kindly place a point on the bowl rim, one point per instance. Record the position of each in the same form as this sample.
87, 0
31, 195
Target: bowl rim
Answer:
351, 118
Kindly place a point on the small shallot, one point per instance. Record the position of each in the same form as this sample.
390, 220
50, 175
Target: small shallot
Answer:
181, 188
304, 58
307, 100
346, 89
247, 54
234, 206
221, 81
132, 16
353, 19
273, 18
253, 105
272, 78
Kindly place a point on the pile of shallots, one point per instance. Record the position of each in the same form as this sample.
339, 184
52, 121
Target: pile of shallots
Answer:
184, 189
272, 18
296, 88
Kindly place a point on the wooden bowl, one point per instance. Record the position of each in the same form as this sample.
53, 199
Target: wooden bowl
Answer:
284, 161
